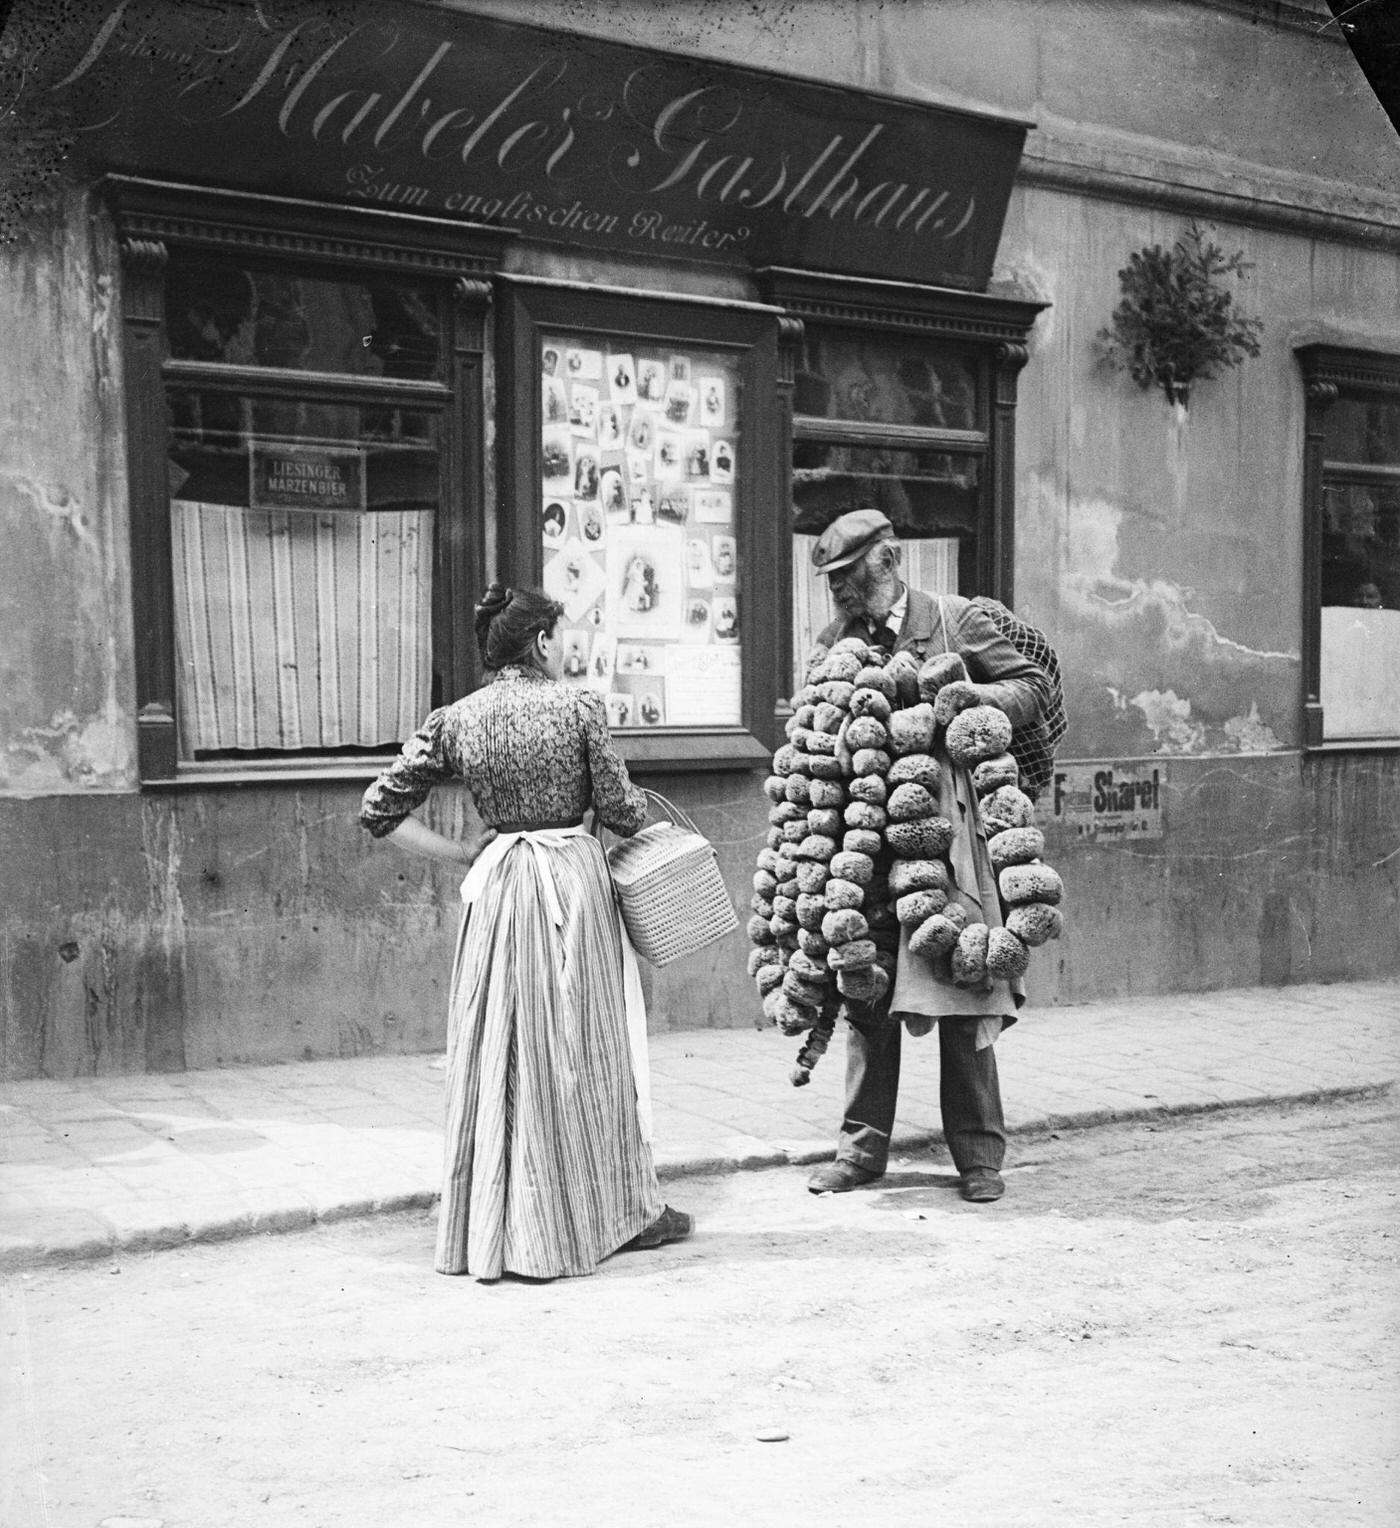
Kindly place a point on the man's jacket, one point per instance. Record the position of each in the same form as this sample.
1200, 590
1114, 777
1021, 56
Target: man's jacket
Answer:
1012, 682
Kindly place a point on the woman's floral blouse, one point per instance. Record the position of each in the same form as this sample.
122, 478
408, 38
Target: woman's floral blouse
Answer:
530, 749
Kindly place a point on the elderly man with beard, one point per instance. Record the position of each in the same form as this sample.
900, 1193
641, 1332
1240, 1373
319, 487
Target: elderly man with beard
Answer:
861, 557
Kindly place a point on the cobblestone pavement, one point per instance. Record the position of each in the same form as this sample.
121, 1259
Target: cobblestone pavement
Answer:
92, 1165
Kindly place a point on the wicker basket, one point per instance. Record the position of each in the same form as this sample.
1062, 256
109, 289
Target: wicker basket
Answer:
672, 896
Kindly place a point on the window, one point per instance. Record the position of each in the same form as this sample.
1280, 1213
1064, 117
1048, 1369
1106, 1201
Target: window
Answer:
305, 484
1352, 577
640, 459
900, 424
903, 396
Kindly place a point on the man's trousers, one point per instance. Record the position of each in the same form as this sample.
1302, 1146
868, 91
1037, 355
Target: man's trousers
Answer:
969, 1095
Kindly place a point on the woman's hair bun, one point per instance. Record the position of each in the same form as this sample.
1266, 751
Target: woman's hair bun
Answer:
495, 600
508, 620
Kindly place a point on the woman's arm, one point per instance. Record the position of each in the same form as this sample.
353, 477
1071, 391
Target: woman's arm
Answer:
619, 804
418, 838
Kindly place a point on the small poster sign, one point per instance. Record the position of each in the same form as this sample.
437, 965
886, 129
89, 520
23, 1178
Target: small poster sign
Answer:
305, 477
1106, 802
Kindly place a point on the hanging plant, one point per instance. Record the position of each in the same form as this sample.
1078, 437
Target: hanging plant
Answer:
1176, 321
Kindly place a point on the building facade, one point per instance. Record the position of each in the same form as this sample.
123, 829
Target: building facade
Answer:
322, 315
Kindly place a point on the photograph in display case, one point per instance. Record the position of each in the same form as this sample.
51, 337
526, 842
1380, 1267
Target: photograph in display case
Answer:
640, 536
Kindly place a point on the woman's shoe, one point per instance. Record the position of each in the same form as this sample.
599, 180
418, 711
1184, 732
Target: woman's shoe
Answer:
669, 1226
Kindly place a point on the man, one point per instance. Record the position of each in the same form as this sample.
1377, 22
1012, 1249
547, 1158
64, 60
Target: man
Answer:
859, 554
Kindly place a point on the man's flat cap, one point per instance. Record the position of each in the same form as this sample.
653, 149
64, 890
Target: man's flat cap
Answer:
848, 538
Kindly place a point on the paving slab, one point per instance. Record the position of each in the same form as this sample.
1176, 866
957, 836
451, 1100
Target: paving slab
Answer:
93, 1166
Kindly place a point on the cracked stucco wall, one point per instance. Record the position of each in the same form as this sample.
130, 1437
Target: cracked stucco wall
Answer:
1163, 546
66, 687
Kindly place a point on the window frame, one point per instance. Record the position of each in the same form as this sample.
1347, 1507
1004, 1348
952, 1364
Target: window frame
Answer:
154, 219
528, 307
996, 328
1330, 372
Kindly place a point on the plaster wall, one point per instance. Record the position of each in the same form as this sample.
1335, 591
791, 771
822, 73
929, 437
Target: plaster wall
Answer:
1162, 545
66, 688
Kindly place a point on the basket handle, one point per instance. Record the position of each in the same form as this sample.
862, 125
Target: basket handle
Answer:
669, 807
673, 812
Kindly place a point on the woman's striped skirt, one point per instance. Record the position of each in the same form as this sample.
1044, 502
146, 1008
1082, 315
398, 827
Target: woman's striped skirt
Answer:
546, 1169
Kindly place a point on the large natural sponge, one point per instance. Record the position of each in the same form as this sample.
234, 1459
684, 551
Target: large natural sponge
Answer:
922, 840
1030, 883
991, 774
918, 875
873, 678
910, 802
915, 906
1006, 807
941, 669
915, 769
869, 788
827, 793
866, 732
810, 909
766, 955
970, 956
868, 701
806, 993
851, 865
870, 761
826, 717
841, 893
842, 926
838, 665
863, 984
811, 941
766, 978
954, 698
791, 1018
935, 936
980, 732
1035, 922
863, 814
1015, 846
807, 966
854, 953
911, 730
1007, 957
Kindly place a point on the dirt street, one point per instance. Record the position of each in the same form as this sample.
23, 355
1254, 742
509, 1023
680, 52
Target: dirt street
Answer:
1172, 1326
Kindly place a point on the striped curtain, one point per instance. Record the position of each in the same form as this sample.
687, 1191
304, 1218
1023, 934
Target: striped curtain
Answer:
300, 630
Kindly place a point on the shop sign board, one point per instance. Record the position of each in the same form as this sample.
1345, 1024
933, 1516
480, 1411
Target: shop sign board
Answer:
1105, 802
305, 477
555, 136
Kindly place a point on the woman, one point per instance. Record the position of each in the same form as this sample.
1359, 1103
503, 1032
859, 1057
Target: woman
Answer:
548, 1167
